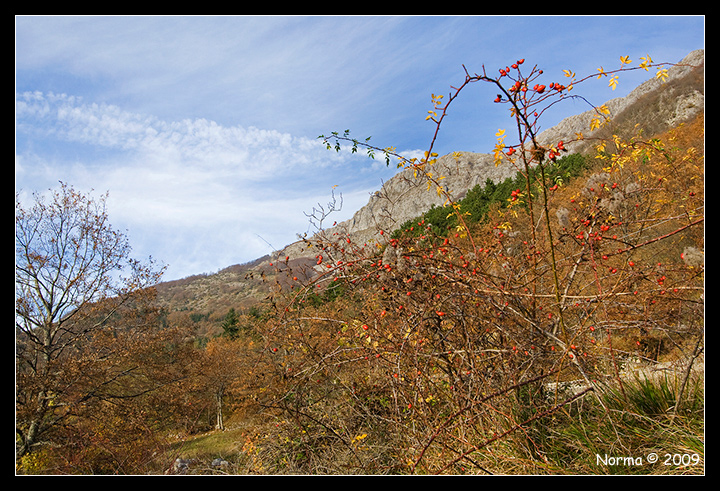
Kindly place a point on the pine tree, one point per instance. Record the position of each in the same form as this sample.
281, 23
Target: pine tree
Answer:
231, 324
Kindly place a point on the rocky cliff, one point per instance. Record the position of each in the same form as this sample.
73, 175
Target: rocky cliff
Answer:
653, 106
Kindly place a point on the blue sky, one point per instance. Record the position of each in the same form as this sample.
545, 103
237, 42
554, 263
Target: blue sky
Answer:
203, 130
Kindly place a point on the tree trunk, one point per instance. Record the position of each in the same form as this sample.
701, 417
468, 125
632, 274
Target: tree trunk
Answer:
219, 424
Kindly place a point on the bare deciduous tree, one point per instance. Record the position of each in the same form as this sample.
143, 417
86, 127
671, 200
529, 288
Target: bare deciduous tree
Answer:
73, 273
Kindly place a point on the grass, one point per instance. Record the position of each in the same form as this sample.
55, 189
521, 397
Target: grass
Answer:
202, 449
617, 432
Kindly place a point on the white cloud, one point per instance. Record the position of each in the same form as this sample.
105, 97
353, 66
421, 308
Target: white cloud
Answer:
193, 190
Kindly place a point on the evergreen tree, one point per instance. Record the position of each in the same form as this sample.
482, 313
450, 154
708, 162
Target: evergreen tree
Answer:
231, 324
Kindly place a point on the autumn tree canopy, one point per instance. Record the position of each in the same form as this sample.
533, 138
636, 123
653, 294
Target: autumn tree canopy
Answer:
73, 278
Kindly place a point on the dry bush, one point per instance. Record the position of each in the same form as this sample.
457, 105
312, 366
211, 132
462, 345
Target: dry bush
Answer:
445, 347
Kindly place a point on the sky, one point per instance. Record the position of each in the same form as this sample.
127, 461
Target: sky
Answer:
204, 130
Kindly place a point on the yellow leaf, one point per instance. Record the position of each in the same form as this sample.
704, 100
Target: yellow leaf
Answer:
646, 62
360, 437
569, 74
662, 74
613, 82
625, 60
602, 72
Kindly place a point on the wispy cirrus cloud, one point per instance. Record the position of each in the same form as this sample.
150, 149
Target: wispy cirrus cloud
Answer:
242, 187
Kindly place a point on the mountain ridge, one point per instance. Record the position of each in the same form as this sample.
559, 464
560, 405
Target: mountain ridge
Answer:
653, 105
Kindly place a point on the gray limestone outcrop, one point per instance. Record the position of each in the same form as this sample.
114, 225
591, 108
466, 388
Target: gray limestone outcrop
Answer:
654, 104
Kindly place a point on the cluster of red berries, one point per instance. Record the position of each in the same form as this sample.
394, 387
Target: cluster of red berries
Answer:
554, 153
519, 86
506, 70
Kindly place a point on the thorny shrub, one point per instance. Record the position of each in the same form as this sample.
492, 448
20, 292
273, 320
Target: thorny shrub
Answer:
445, 342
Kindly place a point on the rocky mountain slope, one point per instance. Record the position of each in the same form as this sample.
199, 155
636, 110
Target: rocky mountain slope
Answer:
653, 107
